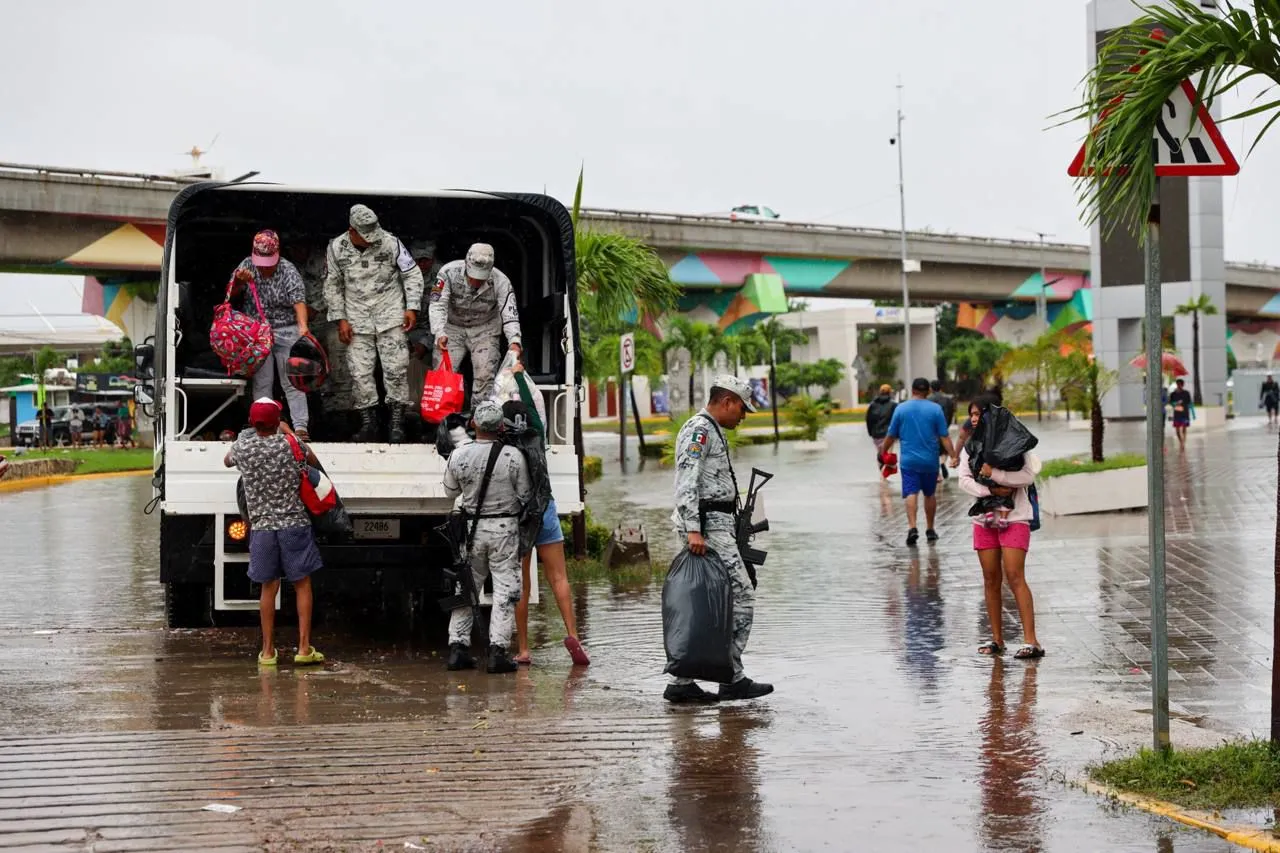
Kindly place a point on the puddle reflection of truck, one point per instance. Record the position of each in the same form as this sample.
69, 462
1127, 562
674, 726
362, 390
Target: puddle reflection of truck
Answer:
393, 492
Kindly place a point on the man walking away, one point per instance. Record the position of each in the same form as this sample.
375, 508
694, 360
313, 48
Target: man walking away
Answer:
919, 425
281, 542
879, 413
502, 474
948, 404
1269, 396
1183, 412
706, 504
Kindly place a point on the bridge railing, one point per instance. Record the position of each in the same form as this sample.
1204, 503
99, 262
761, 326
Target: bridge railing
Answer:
141, 177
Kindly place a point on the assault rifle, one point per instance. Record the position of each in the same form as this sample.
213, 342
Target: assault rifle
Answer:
458, 576
745, 529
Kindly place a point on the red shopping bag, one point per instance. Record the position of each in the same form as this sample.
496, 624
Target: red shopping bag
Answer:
442, 393
318, 494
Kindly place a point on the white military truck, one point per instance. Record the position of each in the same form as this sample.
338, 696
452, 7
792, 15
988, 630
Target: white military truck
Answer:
394, 493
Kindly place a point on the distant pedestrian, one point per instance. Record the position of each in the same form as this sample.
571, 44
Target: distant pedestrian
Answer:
1269, 396
281, 542
948, 404
76, 421
879, 414
919, 425
124, 426
1183, 412
1002, 551
100, 421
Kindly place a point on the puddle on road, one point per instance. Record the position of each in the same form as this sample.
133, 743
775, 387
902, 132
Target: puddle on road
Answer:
885, 728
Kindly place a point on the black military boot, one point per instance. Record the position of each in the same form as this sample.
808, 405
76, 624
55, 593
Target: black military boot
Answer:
500, 661
368, 425
744, 688
460, 658
397, 424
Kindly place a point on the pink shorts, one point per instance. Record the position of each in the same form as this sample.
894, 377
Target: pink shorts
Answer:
1016, 535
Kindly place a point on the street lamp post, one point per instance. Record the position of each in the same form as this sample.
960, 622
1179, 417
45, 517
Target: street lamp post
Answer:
902, 209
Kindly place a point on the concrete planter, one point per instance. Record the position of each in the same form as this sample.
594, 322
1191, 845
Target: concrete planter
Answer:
1095, 491
1209, 417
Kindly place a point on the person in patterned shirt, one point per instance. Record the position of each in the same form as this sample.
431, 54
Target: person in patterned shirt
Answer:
283, 295
281, 542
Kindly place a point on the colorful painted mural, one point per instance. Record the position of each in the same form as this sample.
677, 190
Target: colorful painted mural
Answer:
731, 269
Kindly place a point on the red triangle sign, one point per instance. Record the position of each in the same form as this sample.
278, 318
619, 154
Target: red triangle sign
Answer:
1187, 141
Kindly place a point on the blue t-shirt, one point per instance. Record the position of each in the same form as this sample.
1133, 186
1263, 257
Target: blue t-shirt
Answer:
917, 425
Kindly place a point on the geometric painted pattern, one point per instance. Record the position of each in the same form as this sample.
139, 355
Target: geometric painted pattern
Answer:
731, 269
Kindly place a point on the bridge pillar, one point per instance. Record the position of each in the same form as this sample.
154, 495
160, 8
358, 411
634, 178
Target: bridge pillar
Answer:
1192, 263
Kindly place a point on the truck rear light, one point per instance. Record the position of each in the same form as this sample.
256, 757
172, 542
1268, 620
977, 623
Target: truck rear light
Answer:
237, 530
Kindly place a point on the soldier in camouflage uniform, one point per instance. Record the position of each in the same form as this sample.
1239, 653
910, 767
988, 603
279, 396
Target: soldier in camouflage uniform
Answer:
373, 288
496, 548
706, 501
336, 391
472, 307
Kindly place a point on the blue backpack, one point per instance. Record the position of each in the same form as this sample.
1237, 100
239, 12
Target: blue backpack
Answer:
1035, 507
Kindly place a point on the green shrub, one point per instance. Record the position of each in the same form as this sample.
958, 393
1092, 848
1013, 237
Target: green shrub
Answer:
807, 415
1234, 774
597, 534
592, 468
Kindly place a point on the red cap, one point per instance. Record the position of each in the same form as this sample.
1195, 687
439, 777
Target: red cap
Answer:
266, 249
265, 413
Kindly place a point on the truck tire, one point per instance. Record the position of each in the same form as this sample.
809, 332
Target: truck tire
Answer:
188, 605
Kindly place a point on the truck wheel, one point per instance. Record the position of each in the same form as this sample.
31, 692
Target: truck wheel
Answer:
188, 605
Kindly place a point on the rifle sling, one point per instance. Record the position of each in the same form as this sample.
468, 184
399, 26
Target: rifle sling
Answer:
494, 452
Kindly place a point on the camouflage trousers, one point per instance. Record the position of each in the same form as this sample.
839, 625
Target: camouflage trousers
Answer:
720, 540
496, 553
484, 343
337, 388
364, 351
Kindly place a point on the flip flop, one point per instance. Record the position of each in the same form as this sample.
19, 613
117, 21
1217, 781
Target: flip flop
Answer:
524, 659
314, 656
576, 651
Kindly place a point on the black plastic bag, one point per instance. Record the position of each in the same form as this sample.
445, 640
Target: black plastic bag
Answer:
1005, 440
697, 618
334, 524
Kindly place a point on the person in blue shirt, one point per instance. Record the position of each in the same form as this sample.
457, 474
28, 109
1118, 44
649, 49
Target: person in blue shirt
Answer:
918, 425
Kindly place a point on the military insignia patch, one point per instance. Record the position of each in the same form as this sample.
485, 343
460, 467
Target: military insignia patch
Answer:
694, 450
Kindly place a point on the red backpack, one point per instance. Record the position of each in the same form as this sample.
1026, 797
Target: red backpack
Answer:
242, 342
316, 490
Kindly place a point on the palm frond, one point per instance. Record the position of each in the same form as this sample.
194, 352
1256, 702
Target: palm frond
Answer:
620, 278
1134, 75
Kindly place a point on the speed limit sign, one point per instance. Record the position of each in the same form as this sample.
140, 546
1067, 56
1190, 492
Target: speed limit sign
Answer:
627, 353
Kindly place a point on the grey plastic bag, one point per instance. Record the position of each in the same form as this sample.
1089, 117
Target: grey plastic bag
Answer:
697, 618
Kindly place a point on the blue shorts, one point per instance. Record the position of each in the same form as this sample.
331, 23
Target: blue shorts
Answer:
290, 553
550, 533
914, 482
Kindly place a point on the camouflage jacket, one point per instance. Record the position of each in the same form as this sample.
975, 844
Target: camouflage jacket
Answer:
703, 473
456, 303
370, 289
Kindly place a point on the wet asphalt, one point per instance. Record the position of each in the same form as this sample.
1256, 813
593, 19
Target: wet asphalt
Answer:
886, 731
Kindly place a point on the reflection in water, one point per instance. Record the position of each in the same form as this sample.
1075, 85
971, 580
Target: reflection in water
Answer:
924, 629
1012, 809
714, 792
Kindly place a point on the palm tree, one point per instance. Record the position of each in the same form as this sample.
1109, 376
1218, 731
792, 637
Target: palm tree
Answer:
1193, 41
1201, 304
697, 339
777, 337
745, 347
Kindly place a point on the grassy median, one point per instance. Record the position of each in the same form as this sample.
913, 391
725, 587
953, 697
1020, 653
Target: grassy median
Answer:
1084, 465
1237, 774
96, 461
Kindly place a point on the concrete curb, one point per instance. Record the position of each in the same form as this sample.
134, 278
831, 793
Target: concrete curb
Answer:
1251, 837
40, 482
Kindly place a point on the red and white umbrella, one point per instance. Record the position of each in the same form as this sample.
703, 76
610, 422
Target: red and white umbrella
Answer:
1169, 364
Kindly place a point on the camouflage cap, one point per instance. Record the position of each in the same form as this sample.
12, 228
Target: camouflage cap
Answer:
365, 221
488, 416
480, 261
739, 386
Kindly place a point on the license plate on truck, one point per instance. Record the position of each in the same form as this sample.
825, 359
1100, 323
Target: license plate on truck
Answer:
377, 528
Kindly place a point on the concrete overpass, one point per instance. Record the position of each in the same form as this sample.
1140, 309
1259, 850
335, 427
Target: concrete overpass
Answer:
112, 223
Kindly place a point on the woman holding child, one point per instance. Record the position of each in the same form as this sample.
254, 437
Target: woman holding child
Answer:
1002, 542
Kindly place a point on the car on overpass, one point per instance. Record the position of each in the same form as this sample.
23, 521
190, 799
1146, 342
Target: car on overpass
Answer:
753, 213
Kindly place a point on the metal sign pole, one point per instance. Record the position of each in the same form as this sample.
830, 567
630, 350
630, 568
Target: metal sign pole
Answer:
902, 237
1155, 481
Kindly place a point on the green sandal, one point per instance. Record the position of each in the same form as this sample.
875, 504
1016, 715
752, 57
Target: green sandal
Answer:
271, 661
313, 656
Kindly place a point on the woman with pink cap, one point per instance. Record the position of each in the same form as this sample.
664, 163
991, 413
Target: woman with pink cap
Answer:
282, 299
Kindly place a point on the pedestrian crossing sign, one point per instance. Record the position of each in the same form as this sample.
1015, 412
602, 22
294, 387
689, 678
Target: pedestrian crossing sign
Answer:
1186, 140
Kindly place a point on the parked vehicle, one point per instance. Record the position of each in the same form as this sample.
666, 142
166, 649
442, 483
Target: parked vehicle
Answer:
394, 493
755, 212
28, 432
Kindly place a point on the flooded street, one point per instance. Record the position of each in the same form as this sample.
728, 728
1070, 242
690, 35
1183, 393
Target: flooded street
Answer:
886, 733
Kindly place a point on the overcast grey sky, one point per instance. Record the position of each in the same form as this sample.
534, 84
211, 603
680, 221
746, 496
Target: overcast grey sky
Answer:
672, 106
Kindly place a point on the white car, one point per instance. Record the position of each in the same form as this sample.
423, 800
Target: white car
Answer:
753, 212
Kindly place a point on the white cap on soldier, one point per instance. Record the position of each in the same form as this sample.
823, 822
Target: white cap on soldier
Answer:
480, 261
737, 385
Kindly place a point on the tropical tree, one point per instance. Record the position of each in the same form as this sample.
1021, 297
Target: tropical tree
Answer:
1138, 68
745, 347
44, 360
796, 377
1201, 304
779, 338
972, 360
697, 339
1040, 358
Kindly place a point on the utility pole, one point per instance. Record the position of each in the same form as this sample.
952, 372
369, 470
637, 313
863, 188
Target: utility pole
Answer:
1042, 302
902, 208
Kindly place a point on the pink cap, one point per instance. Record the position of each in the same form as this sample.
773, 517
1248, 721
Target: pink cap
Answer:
266, 249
